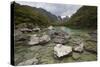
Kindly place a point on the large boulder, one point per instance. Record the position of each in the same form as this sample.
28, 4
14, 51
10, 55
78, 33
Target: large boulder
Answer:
33, 40
44, 39
29, 62
39, 39
61, 50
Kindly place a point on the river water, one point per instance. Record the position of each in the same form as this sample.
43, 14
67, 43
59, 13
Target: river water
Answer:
45, 53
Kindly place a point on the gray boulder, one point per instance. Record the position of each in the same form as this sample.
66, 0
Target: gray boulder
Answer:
33, 40
60, 37
50, 28
61, 50
39, 39
44, 39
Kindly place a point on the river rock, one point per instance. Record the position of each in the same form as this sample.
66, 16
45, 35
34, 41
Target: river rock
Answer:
61, 50
50, 27
75, 40
60, 37
39, 39
44, 39
29, 62
33, 40
91, 46
79, 48
25, 30
37, 29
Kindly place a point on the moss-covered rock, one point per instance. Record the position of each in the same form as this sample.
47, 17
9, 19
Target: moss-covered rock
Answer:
91, 46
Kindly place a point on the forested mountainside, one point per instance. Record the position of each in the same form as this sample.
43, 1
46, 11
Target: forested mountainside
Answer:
85, 17
35, 16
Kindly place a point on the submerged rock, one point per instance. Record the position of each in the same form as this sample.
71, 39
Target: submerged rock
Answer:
91, 46
29, 62
75, 55
61, 50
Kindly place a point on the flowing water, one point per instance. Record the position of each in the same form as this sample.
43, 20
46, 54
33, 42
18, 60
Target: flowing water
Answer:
45, 55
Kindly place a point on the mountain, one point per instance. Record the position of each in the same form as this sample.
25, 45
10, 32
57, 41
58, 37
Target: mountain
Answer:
50, 15
65, 19
24, 14
85, 17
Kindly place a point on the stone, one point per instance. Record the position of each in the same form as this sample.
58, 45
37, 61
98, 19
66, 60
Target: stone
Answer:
20, 37
60, 37
79, 48
50, 28
36, 29
75, 56
39, 40
76, 40
91, 46
61, 50
25, 30
44, 39
29, 62
33, 40
59, 40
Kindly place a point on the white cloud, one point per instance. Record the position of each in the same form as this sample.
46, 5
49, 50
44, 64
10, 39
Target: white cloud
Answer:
56, 9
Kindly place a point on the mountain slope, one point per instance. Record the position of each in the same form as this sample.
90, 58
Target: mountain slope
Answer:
36, 16
85, 17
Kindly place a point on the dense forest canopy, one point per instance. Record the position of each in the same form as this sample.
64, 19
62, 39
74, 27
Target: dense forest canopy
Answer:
85, 17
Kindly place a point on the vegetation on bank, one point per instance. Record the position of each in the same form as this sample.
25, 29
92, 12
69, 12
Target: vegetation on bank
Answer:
85, 17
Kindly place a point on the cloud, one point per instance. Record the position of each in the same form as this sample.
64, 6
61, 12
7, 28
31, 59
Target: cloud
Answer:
56, 9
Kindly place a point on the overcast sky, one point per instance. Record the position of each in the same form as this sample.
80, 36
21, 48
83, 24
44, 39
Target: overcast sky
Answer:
56, 9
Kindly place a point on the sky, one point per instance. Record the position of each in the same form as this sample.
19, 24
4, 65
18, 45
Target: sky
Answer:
56, 9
